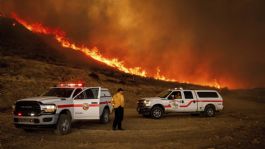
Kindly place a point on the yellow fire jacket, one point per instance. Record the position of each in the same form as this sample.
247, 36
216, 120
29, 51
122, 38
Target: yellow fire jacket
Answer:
117, 100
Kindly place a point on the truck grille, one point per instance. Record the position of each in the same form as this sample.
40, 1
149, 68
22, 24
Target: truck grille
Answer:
27, 108
140, 103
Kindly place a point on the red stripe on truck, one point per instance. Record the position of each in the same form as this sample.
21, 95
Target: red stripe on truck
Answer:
76, 105
200, 101
104, 102
93, 105
167, 106
70, 105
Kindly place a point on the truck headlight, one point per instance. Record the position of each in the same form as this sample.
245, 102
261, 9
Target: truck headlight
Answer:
48, 108
13, 107
147, 102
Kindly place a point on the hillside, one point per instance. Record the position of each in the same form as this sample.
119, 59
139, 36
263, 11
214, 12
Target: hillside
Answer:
31, 63
17, 40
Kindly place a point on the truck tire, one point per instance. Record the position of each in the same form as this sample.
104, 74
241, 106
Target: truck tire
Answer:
209, 111
104, 118
157, 112
63, 126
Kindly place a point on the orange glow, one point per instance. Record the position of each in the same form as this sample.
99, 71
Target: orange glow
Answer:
94, 53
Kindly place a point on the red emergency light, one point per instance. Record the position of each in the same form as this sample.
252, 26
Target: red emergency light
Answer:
71, 85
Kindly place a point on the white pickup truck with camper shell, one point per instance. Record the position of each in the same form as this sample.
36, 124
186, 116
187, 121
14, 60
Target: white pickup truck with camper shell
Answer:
207, 102
62, 105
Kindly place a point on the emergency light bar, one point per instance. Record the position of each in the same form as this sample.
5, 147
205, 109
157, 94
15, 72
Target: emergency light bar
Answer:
71, 85
179, 88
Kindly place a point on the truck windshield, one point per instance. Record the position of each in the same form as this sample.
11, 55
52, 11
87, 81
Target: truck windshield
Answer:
59, 92
164, 94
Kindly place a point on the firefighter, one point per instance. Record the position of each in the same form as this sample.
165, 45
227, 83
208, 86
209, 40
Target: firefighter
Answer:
118, 104
178, 96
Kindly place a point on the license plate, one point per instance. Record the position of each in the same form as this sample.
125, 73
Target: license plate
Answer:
28, 120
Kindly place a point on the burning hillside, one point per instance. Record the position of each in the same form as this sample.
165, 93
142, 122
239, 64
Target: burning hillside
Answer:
60, 36
169, 40
94, 53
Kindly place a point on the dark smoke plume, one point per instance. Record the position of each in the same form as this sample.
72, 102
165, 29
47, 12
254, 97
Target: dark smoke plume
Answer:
192, 41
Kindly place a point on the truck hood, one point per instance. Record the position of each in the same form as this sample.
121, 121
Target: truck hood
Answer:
151, 98
43, 99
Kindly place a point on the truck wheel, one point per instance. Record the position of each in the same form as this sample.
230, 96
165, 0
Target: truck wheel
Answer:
156, 112
209, 111
104, 118
63, 125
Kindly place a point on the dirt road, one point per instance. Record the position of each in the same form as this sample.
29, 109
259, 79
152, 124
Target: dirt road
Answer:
240, 125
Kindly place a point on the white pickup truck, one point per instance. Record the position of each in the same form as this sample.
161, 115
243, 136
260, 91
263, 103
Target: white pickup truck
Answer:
62, 105
182, 101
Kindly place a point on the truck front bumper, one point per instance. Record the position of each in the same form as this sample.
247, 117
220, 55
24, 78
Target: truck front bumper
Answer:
143, 110
35, 121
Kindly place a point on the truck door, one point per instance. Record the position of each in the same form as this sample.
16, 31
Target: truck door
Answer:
174, 101
86, 104
188, 103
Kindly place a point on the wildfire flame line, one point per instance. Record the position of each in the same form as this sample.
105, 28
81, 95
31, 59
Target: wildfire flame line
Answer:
94, 53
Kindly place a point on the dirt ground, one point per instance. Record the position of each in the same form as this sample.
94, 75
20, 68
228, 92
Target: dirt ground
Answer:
240, 125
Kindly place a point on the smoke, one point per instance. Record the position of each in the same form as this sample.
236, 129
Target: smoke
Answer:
188, 40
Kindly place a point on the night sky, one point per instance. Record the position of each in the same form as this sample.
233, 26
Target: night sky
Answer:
188, 40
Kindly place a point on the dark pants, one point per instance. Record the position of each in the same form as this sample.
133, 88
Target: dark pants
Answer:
118, 117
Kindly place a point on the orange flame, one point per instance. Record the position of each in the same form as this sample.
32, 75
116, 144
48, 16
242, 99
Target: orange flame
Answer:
158, 76
65, 42
94, 53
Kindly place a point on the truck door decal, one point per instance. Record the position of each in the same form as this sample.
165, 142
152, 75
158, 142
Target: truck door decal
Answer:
85, 106
173, 104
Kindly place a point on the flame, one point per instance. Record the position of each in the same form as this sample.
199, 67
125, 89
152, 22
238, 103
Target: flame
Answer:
60, 36
158, 76
94, 53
